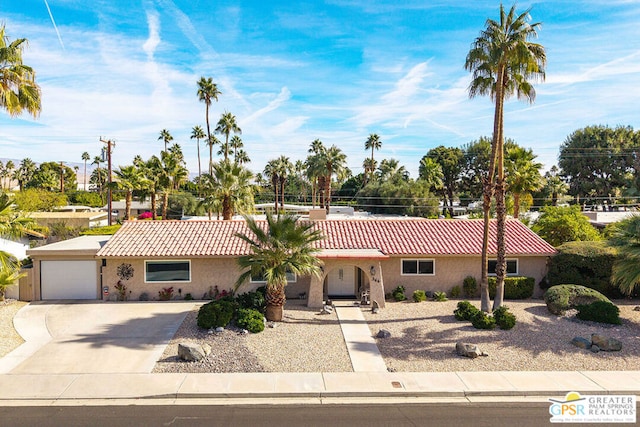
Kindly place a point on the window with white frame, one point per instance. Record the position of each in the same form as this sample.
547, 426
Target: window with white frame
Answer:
422, 267
291, 278
167, 271
512, 267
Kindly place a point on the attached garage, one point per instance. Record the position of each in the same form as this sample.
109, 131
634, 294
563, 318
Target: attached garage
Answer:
72, 279
68, 269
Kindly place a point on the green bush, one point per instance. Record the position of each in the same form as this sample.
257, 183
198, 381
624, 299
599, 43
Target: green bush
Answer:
253, 300
470, 287
455, 292
398, 294
504, 318
419, 296
514, 287
561, 298
482, 320
586, 263
216, 314
440, 296
251, 320
465, 311
600, 311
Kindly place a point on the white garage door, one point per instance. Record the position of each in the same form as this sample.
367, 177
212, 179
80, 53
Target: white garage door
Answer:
68, 280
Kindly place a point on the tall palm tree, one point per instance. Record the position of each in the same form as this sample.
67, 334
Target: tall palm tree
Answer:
85, 159
165, 136
19, 91
522, 174
130, 178
236, 145
285, 246
197, 133
271, 171
242, 157
369, 165
373, 143
173, 172
334, 162
430, 171
207, 93
152, 170
231, 184
502, 61
211, 141
626, 268
554, 185
315, 170
227, 125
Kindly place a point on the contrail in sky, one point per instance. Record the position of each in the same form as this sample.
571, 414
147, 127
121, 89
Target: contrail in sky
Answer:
54, 24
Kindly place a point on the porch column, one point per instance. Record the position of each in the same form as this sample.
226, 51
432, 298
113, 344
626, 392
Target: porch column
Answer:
316, 299
376, 287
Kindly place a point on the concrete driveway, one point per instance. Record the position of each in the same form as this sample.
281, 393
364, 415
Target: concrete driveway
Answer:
93, 337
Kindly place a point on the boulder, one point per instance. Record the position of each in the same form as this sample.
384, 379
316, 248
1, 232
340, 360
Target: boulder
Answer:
605, 343
192, 352
375, 307
383, 333
469, 350
595, 349
581, 342
219, 329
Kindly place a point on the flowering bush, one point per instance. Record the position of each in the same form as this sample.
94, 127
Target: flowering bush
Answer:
121, 288
145, 215
165, 294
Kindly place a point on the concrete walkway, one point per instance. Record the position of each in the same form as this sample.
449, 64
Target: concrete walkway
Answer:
363, 350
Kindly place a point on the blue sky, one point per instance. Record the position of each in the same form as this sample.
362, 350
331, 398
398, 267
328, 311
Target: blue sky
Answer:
292, 72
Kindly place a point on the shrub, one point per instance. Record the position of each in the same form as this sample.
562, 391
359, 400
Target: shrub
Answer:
165, 294
215, 314
586, 263
482, 320
398, 294
419, 296
143, 297
470, 287
504, 318
455, 292
251, 320
465, 311
514, 287
440, 296
561, 298
188, 297
121, 289
600, 311
253, 300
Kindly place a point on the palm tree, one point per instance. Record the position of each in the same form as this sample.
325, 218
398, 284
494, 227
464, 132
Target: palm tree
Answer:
172, 173
152, 170
430, 171
9, 273
502, 61
13, 223
25, 172
373, 143
369, 165
227, 125
130, 178
554, 185
626, 268
85, 158
197, 133
334, 162
231, 184
315, 169
208, 92
19, 91
166, 137
236, 145
271, 171
242, 157
523, 175
285, 247
211, 141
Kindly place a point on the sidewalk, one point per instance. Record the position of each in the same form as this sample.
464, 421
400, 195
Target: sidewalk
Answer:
469, 386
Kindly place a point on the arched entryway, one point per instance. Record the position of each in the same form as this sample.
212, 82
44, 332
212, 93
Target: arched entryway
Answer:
345, 281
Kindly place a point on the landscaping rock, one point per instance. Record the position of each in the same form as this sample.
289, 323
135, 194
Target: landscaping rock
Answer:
636, 308
219, 329
581, 343
243, 332
375, 307
606, 343
192, 352
595, 349
469, 350
383, 333
272, 325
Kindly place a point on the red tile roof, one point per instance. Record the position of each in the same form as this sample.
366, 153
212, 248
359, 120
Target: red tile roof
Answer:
391, 237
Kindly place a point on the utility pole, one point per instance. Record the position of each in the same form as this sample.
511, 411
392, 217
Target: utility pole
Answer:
62, 177
110, 145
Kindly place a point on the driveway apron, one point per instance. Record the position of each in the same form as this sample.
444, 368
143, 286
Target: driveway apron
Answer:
98, 337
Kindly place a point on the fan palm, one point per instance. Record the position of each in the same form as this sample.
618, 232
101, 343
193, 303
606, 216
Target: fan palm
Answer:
523, 175
12, 223
197, 133
502, 61
9, 273
207, 93
130, 178
285, 246
231, 184
165, 136
85, 159
373, 143
626, 269
19, 91
227, 125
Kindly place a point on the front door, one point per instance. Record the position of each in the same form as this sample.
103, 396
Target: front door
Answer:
341, 281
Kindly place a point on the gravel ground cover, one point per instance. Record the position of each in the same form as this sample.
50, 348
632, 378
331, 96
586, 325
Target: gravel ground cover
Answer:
9, 338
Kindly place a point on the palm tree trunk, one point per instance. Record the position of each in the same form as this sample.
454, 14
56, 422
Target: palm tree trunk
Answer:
165, 202
227, 212
275, 298
154, 209
199, 169
516, 205
127, 202
85, 175
282, 182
